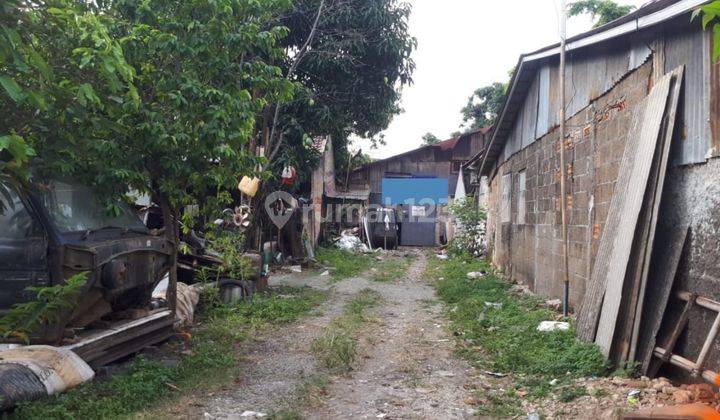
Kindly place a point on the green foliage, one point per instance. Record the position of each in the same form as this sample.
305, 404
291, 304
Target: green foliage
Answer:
213, 362
484, 106
469, 238
49, 304
711, 18
508, 335
352, 75
230, 245
337, 347
346, 264
428, 139
604, 11
58, 66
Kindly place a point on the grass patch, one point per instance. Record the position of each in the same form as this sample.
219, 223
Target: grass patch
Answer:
501, 405
390, 269
505, 338
337, 348
213, 360
345, 264
573, 392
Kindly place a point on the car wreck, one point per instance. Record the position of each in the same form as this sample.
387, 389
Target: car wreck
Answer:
52, 231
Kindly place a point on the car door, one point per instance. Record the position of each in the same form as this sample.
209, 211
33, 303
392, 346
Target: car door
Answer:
23, 251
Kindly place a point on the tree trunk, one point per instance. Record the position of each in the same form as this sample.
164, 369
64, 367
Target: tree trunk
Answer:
172, 233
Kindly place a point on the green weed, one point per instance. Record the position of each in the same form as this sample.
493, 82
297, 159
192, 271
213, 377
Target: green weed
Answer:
337, 348
501, 405
573, 392
345, 264
213, 360
390, 269
505, 338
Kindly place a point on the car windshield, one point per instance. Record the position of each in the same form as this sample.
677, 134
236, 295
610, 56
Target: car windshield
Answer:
75, 208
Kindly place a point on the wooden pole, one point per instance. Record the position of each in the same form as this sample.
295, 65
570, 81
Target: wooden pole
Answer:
563, 209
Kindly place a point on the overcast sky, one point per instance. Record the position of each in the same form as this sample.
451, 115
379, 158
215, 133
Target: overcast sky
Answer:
462, 45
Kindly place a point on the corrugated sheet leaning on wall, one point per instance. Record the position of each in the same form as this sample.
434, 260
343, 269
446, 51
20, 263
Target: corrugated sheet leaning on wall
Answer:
592, 73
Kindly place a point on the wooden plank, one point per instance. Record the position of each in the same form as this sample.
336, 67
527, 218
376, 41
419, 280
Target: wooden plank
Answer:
625, 340
659, 294
683, 363
669, 344
629, 201
671, 116
620, 224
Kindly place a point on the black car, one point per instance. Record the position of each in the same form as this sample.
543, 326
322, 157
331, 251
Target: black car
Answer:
52, 231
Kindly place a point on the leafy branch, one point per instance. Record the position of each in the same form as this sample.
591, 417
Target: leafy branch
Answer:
48, 306
710, 15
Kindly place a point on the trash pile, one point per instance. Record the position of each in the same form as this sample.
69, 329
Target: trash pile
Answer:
350, 241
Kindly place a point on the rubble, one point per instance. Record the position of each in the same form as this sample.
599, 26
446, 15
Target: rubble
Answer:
608, 397
554, 304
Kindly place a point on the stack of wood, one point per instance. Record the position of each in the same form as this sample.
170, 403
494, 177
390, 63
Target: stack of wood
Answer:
613, 312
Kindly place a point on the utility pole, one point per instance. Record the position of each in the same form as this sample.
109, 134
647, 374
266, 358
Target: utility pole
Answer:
563, 171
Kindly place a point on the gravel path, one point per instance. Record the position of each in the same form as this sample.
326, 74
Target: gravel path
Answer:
408, 369
405, 367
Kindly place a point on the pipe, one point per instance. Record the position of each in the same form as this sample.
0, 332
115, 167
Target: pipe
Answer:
563, 209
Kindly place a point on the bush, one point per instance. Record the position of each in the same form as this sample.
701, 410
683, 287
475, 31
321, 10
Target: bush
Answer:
469, 238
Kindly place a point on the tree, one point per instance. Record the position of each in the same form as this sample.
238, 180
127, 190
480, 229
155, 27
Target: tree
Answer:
57, 63
604, 11
711, 16
484, 106
163, 95
428, 139
350, 77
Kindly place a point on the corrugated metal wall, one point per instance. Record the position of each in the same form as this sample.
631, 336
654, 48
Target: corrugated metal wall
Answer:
693, 50
593, 72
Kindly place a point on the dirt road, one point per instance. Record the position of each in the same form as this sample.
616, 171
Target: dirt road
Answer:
404, 368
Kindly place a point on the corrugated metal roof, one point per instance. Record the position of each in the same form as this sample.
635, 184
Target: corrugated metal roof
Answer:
444, 145
584, 80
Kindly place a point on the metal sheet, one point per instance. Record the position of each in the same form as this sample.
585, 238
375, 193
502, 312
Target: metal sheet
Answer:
543, 112
693, 50
577, 88
528, 116
639, 53
414, 191
417, 234
616, 67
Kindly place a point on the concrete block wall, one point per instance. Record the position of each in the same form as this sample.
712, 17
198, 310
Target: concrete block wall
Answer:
532, 252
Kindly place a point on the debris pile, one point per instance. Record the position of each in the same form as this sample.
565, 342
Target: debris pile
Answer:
611, 397
350, 241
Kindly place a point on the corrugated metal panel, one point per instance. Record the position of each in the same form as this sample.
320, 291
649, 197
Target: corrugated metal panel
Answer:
639, 52
589, 76
577, 88
529, 115
543, 113
596, 72
554, 115
616, 67
693, 50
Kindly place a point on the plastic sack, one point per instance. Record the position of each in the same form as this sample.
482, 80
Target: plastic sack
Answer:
249, 186
31, 372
